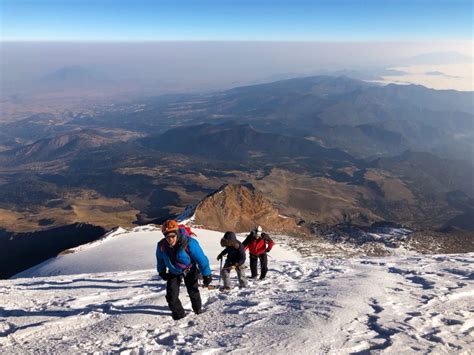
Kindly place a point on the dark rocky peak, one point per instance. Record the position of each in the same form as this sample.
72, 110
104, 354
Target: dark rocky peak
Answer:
239, 208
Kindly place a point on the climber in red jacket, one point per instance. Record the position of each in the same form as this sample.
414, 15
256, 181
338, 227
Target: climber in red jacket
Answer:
258, 244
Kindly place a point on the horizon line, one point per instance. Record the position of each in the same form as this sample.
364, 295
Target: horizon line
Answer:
389, 40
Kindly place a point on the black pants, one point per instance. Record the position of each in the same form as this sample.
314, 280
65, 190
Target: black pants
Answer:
263, 265
172, 293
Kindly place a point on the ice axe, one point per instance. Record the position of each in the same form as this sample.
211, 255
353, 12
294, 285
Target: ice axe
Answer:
220, 271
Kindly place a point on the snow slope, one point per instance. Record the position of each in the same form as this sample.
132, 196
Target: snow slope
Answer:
405, 304
128, 250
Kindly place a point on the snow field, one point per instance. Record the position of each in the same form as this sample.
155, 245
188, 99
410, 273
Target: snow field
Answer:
403, 304
309, 306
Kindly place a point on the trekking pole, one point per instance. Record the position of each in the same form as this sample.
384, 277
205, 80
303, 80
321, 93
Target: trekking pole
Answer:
220, 271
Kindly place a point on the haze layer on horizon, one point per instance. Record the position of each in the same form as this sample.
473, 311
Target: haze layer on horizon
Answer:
210, 65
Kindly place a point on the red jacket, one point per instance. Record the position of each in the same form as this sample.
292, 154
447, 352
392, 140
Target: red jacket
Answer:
257, 246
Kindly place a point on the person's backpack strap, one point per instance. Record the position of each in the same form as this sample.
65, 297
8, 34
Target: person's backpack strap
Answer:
185, 230
161, 245
165, 248
268, 240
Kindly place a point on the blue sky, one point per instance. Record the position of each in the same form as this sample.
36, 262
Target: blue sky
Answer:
147, 20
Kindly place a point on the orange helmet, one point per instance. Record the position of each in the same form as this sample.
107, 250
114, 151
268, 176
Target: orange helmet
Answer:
169, 226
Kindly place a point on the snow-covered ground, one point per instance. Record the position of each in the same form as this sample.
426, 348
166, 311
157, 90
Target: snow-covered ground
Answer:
129, 250
404, 304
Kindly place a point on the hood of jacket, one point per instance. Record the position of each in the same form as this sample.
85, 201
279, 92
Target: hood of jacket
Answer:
230, 240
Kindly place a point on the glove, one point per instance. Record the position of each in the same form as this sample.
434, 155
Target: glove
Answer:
165, 276
267, 250
206, 280
219, 257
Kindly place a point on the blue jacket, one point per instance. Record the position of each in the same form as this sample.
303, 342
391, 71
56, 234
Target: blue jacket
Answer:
185, 255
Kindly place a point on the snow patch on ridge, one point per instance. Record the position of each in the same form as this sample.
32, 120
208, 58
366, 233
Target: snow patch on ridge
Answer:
113, 233
188, 215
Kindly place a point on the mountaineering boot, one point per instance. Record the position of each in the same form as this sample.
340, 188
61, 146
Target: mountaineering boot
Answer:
179, 316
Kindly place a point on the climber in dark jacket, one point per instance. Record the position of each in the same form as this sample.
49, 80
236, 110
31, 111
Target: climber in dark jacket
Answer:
182, 256
259, 244
235, 259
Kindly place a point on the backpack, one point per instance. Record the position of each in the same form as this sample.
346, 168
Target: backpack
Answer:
185, 230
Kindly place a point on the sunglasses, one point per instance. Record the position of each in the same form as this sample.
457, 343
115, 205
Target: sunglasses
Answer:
170, 235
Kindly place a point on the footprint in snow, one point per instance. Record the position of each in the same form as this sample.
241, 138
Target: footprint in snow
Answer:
188, 324
166, 338
6, 328
451, 322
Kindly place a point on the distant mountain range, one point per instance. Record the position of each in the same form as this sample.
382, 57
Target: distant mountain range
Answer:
365, 119
239, 142
62, 146
75, 77
337, 109
322, 149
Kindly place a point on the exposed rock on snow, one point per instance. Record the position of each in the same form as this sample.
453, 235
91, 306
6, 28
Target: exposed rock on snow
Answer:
239, 208
380, 239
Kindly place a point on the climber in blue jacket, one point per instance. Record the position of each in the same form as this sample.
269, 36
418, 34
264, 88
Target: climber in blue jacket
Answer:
183, 257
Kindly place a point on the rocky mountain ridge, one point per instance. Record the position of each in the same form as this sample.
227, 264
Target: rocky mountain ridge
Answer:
239, 208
